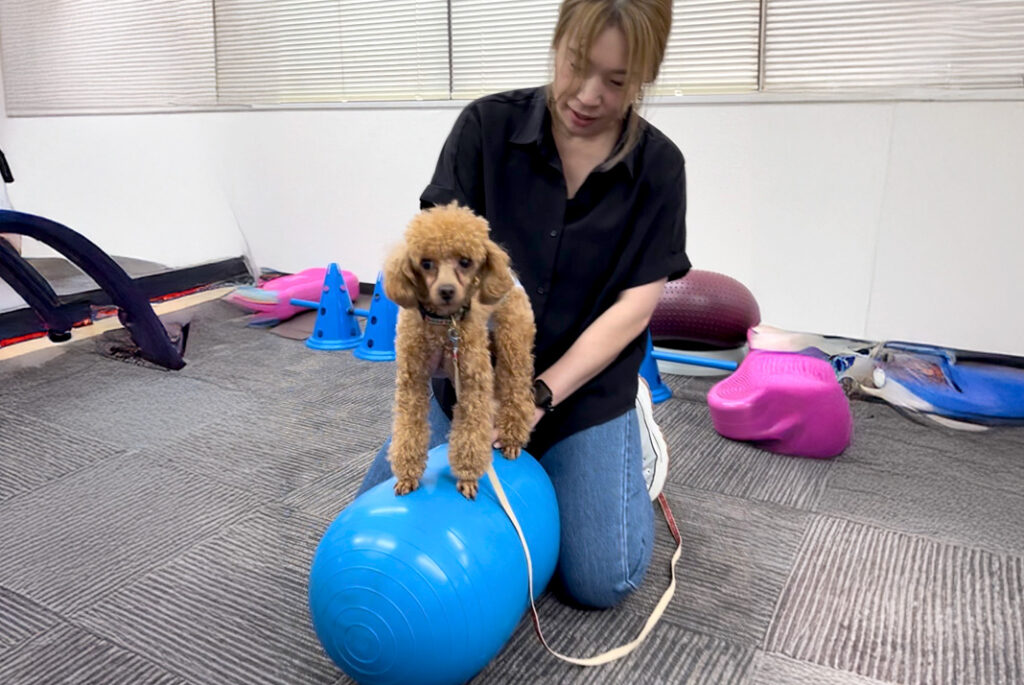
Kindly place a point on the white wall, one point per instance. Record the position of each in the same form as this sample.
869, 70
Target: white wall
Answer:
878, 220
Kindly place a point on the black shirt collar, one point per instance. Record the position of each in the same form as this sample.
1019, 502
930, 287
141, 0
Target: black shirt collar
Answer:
536, 126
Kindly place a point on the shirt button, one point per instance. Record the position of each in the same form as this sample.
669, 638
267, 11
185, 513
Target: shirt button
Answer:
540, 290
553, 234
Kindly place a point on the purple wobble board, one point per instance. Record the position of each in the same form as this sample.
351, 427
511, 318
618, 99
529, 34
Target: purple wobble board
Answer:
783, 402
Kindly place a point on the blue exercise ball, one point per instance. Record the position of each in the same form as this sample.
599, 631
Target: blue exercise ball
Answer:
427, 588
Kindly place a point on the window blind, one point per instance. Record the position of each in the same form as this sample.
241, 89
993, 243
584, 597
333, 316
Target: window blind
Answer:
504, 44
295, 51
713, 48
830, 45
106, 55
500, 45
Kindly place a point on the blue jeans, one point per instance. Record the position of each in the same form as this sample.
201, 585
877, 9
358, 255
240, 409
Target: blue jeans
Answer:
606, 516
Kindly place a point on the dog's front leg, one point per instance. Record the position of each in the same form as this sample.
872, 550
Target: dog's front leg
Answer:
410, 436
469, 451
513, 343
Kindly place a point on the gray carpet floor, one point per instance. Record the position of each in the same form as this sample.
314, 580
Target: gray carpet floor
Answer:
157, 528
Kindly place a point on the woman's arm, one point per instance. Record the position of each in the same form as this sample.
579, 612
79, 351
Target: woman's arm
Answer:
602, 341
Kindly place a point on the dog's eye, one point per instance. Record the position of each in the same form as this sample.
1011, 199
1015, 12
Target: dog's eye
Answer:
426, 264
465, 262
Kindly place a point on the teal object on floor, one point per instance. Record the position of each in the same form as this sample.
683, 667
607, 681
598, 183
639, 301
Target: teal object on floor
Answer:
649, 370
336, 327
378, 341
427, 587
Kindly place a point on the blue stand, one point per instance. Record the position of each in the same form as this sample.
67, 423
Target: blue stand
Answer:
693, 360
336, 326
378, 343
649, 370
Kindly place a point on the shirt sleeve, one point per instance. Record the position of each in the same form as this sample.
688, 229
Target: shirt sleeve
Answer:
663, 231
458, 175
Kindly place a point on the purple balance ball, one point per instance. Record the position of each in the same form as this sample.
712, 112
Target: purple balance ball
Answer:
705, 308
426, 588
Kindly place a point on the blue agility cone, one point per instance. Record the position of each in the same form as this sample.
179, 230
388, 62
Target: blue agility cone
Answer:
336, 325
378, 343
649, 370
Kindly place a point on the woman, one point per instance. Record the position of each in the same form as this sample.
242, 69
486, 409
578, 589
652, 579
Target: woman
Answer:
589, 201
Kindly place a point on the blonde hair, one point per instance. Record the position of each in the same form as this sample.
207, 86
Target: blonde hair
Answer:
644, 23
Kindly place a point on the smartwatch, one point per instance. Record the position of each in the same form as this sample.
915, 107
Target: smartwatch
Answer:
542, 395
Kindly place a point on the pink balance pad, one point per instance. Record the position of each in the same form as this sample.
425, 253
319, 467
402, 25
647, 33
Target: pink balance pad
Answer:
783, 402
271, 302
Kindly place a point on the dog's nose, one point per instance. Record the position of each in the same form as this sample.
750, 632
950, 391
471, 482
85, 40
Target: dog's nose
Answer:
447, 292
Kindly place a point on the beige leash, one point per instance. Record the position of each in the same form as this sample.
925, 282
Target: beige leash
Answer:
666, 597
453, 338
659, 609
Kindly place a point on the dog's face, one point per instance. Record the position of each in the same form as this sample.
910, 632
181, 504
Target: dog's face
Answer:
447, 259
448, 280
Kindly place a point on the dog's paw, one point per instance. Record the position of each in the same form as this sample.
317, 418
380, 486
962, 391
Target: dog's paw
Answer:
468, 487
512, 436
403, 486
511, 451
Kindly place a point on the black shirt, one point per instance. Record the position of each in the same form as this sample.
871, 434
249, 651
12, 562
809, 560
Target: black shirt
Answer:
624, 227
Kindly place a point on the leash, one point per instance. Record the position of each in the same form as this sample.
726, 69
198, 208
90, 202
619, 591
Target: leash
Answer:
453, 338
666, 597
659, 609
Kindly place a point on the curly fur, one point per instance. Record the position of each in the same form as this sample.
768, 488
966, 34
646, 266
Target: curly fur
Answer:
448, 265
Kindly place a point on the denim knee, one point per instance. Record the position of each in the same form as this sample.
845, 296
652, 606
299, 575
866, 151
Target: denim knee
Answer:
602, 586
605, 512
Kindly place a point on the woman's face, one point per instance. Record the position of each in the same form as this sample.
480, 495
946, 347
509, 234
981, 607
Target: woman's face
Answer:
595, 103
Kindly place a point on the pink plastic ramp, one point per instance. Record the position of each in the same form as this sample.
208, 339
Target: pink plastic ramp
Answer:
783, 402
271, 302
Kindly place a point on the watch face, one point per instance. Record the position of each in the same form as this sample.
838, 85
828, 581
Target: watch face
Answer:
541, 394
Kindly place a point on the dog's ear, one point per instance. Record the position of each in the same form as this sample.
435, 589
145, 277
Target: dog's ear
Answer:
495, 275
400, 279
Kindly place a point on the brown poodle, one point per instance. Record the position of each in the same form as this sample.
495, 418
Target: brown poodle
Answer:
453, 283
